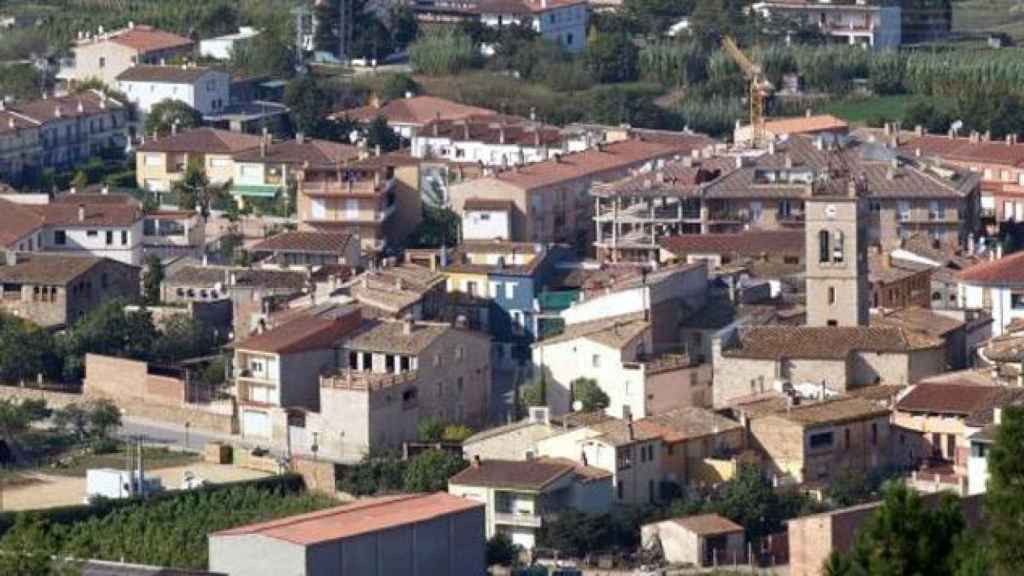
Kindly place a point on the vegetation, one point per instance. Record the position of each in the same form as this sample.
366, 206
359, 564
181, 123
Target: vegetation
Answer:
380, 135
501, 551
168, 115
382, 473
443, 52
1004, 501
170, 531
589, 394
152, 279
429, 471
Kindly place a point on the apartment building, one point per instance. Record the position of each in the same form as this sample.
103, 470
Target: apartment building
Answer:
564, 22
552, 198
767, 191
519, 494
491, 140
875, 25
104, 55
391, 375
20, 148
161, 161
996, 287
55, 290
816, 442
270, 168
206, 90
1000, 164
73, 128
106, 229
375, 198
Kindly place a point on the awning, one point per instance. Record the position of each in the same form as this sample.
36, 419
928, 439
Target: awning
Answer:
255, 190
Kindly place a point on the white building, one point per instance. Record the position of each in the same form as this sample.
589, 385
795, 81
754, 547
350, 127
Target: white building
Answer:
109, 230
484, 219
997, 287
499, 141
564, 22
204, 89
222, 47
519, 494
856, 24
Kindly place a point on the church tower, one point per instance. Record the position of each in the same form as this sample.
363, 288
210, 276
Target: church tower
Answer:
836, 260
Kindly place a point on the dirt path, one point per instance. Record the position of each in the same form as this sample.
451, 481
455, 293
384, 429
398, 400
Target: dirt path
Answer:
38, 490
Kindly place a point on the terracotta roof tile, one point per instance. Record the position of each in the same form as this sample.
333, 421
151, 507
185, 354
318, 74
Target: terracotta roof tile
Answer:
963, 150
164, 74
16, 222
88, 103
689, 422
487, 204
833, 411
362, 517
308, 242
920, 320
824, 342
417, 110
99, 215
494, 129
952, 398
1008, 270
390, 336
615, 331
533, 475
146, 39
202, 140
47, 268
618, 432
751, 243
321, 153
303, 334
708, 524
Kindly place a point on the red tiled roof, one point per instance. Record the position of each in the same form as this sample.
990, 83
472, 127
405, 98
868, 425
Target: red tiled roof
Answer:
88, 103
302, 334
961, 399
708, 524
488, 204
316, 152
100, 215
202, 140
164, 74
1006, 270
148, 39
825, 342
16, 222
362, 517
753, 242
963, 150
534, 475
806, 124
417, 110
310, 242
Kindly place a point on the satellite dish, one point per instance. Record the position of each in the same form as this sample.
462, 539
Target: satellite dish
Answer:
577, 406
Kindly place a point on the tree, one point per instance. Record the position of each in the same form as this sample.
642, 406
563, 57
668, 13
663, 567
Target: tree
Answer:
444, 52
168, 113
456, 433
376, 473
378, 133
429, 471
271, 53
104, 416
80, 180
439, 227
25, 351
27, 550
654, 17
182, 337
108, 330
430, 429
531, 394
404, 26
927, 115
193, 190
395, 86
611, 57
152, 280
1004, 501
501, 551
309, 105
72, 418
587, 392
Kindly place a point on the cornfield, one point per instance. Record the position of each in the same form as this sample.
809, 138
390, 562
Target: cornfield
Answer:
443, 52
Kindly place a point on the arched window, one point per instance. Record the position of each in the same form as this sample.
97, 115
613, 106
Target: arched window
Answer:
823, 242
831, 295
837, 248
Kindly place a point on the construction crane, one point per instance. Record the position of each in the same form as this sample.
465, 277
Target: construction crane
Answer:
760, 89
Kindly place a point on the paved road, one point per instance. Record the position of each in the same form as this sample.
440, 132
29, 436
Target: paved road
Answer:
166, 434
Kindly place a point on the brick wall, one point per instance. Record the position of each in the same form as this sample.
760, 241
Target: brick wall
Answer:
53, 399
130, 380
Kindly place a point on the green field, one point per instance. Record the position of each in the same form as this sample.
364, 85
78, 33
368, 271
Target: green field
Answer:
863, 110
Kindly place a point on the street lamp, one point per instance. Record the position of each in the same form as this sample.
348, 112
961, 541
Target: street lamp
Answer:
187, 426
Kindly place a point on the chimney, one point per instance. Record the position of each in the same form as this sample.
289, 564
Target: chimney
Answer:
819, 143
501, 133
997, 415
300, 138
435, 126
533, 113
476, 461
970, 244
105, 190
11, 258
407, 325
81, 212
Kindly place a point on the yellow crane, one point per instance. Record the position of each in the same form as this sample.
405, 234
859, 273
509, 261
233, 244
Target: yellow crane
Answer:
760, 89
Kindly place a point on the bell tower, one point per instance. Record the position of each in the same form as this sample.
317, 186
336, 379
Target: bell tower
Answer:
836, 262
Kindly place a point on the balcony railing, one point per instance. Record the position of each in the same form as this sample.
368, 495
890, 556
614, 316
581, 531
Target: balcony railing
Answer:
526, 520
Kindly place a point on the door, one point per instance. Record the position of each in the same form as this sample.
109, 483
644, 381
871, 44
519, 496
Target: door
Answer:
298, 440
256, 424
1018, 214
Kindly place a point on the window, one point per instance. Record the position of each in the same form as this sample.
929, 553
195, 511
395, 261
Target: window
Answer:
874, 206
1017, 300
831, 295
821, 440
595, 361
934, 210
837, 249
92, 233
823, 241
510, 290
124, 237
568, 39
618, 489
109, 237
103, 62
60, 237
874, 433
903, 211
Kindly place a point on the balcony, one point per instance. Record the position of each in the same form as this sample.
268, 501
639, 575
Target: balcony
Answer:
349, 379
520, 519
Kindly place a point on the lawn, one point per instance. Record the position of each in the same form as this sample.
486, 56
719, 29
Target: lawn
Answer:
75, 462
863, 110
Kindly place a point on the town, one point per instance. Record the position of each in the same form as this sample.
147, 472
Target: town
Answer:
512, 288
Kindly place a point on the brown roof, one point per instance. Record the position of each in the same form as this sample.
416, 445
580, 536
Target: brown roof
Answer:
99, 215
689, 422
622, 433
615, 331
618, 156
417, 110
708, 524
963, 150
1008, 270
750, 243
1006, 348
521, 6
920, 320
323, 153
79, 197
88, 103
209, 276
824, 342
12, 121
534, 475
683, 178
202, 140
494, 129
164, 74
390, 336
952, 398
47, 268
394, 288
806, 124
884, 270
486, 204
146, 39
833, 411
16, 222
302, 334
308, 242
362, 517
